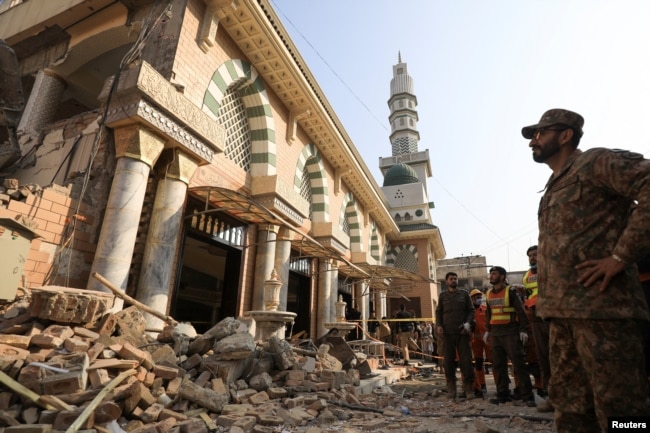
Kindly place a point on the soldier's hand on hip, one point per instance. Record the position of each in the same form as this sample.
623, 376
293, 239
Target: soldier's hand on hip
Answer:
592, 271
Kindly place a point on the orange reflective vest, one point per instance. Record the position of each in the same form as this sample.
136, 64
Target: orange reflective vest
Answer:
501, 311
530, 283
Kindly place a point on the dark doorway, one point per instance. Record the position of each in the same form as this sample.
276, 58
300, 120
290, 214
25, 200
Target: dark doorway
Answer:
299, 301
210, 268
208, 283
413, 305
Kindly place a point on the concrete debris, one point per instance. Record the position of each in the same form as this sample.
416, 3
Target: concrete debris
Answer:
61, 374
61, 349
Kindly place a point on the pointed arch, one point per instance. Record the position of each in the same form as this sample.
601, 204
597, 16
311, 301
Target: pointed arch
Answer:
403, 257
258, 109
310, 160
374, 242
350, 214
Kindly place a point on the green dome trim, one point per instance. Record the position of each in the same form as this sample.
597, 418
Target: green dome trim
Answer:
400, 174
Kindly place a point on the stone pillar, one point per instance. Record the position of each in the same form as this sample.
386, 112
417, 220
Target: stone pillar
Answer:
162, 243
364, 306
334, 277
137, 149
43, 102
264, 262
282, 263
324, 296
380, 303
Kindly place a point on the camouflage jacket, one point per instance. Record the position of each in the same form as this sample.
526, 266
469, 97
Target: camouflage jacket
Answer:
584, 214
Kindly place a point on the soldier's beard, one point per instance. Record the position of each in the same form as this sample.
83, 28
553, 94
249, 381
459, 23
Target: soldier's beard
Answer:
550, 149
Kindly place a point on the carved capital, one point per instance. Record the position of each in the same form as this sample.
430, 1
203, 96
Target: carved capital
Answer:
272, 228
285, 234
180, 165
137, 142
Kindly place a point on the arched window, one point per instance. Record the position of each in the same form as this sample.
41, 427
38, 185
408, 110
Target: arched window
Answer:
232, 116
406, 260
305, 188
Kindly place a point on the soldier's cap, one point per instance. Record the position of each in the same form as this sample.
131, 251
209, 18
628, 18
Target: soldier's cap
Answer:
475, 292
556, 116
499, 269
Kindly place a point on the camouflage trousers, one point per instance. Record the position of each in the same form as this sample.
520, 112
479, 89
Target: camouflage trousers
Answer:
596, 372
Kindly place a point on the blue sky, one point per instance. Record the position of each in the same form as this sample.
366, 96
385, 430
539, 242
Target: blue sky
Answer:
481, 71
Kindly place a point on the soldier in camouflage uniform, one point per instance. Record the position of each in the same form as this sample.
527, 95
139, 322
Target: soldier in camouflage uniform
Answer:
588, 282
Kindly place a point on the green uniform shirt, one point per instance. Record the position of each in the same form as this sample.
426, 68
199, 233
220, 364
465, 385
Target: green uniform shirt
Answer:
585, 214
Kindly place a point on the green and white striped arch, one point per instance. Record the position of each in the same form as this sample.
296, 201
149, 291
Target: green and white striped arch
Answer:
311, 160
403, 251
350, 212
374, 242
258, 110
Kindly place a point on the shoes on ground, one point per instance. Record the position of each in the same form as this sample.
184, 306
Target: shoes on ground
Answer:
529, 403
478, 394
542, 393
451, 390
500, 400
468, 390
515, 395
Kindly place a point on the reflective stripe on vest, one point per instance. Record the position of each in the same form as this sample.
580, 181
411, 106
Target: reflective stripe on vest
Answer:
500, 307
530, 283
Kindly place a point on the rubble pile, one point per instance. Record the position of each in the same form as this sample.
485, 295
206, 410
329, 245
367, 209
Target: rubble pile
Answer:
89, 370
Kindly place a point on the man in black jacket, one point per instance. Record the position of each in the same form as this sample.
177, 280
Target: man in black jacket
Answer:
454, 315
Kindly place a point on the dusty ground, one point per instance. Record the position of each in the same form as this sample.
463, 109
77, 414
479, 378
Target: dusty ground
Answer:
419, 404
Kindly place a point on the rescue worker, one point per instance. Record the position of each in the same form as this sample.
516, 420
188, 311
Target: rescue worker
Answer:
540, 327
588, 280
506, 324
532, 364
480, 349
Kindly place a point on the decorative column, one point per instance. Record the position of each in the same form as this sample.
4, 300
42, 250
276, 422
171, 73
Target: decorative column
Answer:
162, 242
271, 321
43, 102
364, 307
282, 263
264, 261
340, 324
137, 149
334, 277
380, 303
324, 295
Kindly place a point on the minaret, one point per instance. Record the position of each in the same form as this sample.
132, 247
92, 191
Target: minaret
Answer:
403, 117
404, 136
418, 243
